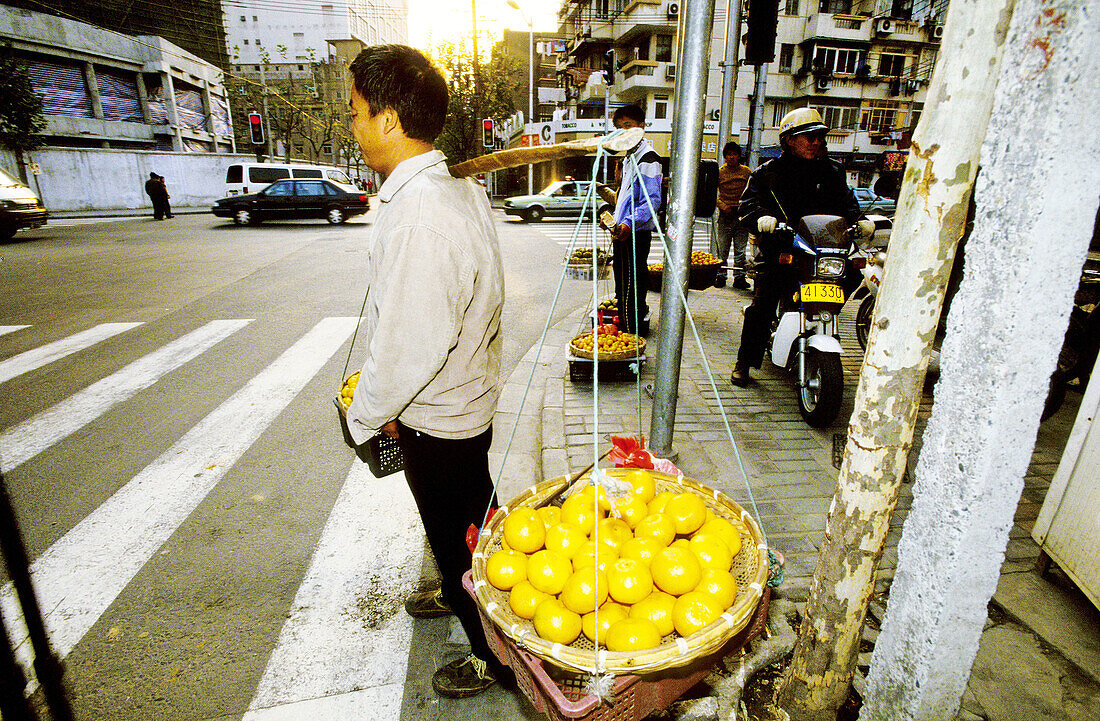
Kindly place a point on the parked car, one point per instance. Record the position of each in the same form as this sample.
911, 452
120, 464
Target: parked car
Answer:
293, 199
869, 202
562, 198
19, 207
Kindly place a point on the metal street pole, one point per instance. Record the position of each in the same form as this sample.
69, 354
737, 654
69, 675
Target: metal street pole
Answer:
530, 95
758, 115
687, 140
729, 74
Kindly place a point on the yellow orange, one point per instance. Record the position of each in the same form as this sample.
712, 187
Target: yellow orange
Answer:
632, 634
688, 512
524, 598
675, 571
579, 511
693, 611
631, 509
565, 538
524, 530
642, 483
550, 515
711, 551
609, 613
629, 581
640, 549
613, 532
659, 502
548, 571
656, 607
587, 555
725, 530
556, 623
719, 584
657, 526
585, 590
506, 568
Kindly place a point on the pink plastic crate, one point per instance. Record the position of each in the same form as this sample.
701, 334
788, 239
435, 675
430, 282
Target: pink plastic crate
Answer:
560, 695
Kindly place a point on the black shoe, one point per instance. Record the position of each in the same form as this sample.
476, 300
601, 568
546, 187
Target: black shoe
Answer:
740, 284
720, 282
462, 678
428, 604
740, 376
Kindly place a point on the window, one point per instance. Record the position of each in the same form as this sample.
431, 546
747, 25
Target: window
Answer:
779, 109
258, 41
838, 117
301, 67
842, 7
791, 8
246, 43
254, 18
660, 107
326, 150
243, 19
641, 50
786, 57
310, 187
838, 60
306, 172
892, 65
662, 51
267, 175
881, 116
285, 188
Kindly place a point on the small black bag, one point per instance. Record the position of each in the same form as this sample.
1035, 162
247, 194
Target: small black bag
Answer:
381, 453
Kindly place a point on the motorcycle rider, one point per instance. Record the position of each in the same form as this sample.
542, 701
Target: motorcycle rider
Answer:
802, 181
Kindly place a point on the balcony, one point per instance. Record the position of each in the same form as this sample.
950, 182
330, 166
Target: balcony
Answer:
639, 77
829, 26
886, 28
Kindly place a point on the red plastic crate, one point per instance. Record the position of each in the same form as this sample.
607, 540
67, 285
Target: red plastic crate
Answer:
560, 695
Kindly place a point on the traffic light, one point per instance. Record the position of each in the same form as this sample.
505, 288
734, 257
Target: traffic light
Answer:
487, 138
760, 36
256, 128
609, 67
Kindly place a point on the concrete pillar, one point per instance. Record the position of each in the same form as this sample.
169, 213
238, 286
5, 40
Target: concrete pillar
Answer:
1034, 217
93, 90
208, 111
173, 116
143, 98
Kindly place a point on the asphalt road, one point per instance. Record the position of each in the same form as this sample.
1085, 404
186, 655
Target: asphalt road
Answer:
169, 442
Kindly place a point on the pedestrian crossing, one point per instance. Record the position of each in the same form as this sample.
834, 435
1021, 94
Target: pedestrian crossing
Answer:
562, 233
328, 662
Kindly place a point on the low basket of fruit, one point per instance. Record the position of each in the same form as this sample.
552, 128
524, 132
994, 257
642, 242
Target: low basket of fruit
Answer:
656, 274
578, 266
380, 452
666, 574
607, 310
704, 268
609, 343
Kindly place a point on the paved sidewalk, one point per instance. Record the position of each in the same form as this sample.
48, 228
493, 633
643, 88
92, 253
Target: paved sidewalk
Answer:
1040, 653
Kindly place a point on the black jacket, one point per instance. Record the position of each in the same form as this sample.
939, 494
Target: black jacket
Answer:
789, 188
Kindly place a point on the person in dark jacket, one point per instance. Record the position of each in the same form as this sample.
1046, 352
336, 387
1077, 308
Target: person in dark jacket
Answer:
802, 181
158, 194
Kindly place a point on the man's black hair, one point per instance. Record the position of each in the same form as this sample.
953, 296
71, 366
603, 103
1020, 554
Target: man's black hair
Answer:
731, 147
633, 112
402, 78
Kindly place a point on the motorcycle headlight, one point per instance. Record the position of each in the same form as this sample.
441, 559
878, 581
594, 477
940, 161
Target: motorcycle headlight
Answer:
830, 267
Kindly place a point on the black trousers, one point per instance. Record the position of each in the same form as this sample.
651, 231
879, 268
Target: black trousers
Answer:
630, 264
769, 287
450, 482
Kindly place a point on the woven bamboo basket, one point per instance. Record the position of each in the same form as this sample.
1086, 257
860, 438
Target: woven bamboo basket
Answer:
605, 356
750, 570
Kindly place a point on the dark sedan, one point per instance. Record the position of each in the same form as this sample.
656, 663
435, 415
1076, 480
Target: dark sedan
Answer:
293, 199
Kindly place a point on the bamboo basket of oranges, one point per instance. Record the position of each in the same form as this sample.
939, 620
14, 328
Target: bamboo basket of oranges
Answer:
690, 606
612, 346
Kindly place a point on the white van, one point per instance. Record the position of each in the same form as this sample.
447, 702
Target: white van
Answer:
243, 178
19, 207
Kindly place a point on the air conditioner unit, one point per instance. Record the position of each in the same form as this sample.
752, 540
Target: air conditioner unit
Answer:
673, 10
821, 83
937, 32
884, 26
670, 72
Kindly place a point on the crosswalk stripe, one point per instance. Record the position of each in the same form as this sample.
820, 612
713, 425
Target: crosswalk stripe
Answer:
344, 648
29, 438
50, 352
80, 575
11, 328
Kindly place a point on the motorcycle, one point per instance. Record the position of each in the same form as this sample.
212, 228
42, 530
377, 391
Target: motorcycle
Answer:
874, 253
825, 256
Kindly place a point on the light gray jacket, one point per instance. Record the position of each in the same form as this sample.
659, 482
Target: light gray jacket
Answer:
432, 317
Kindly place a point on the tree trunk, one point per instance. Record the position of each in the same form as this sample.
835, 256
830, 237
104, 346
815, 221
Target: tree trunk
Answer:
931, 217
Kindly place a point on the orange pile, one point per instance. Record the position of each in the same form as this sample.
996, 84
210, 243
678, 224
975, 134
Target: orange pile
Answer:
647, 565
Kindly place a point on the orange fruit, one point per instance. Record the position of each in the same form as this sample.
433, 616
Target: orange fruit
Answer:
632, 634
631, 509
556, 623
550, 515
585, 590
524, 530
656, 607
524, 598
548, 571
609, 613
675, 571
687, 512
642, 483
613, 531
683, 544
565, 538
659, 502
506, 568
629, 581
579, 511
725, 530
719, 584
587, 555
656, 526
711, 551
640, 549
693, 611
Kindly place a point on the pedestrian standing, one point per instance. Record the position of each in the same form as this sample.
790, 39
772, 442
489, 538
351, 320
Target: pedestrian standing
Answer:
432, 314
157, 191
732, 178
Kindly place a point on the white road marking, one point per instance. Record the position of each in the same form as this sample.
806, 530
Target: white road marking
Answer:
50, 352
79, 576
29, 438
11, 328
342, 654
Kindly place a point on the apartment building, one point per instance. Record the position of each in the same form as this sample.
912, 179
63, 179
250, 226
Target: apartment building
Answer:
864, 64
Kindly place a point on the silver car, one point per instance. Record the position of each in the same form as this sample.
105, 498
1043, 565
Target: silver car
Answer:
562, 198
870, 202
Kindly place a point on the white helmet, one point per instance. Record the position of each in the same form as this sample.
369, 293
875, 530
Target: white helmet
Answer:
801, 121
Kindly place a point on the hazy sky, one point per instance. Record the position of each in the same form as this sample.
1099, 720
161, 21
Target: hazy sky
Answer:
434, 21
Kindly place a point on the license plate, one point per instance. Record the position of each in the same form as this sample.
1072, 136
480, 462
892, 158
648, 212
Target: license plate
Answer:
822, 293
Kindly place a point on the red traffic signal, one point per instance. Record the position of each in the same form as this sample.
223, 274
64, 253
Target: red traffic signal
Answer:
487, 138
256, 128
